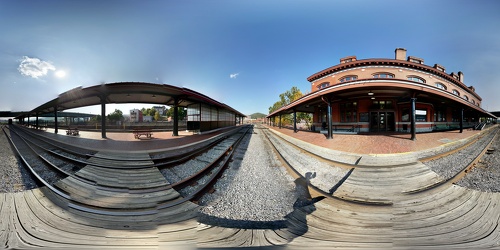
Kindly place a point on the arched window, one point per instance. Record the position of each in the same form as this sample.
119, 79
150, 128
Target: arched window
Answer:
473, 102
383, 75
466, 98
348, 78
323, 85
455, 92
415, 79
440, 85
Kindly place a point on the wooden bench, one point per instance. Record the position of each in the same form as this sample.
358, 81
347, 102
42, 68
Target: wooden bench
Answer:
146, 132
72, 131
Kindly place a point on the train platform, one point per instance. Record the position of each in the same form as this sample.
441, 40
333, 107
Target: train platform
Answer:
125, 141
379, 143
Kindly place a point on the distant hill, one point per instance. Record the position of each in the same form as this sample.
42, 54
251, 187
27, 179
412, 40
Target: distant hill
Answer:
257, 115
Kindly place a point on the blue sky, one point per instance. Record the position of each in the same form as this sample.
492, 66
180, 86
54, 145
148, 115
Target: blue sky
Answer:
242, 53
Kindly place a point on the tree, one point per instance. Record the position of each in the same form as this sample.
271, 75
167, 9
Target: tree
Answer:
157, 116
286, 98
117, 115
181, 113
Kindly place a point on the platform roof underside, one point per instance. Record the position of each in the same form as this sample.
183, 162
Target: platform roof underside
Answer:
127, 92
402, 94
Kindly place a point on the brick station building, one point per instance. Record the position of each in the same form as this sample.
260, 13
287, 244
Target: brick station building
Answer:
387, 95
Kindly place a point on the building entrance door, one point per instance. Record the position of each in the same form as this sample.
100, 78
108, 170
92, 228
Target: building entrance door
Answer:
382, 121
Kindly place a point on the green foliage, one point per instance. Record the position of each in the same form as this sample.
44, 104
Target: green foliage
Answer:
157, 116
181, 113
257, 115
117, 115
96, 118
149, 111
286, 98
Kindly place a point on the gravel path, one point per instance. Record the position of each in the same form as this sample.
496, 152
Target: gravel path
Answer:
486, 175
321, 174
13, 175
254, 192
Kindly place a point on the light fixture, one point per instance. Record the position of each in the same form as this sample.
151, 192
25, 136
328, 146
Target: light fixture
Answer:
153, 96
370, 93
373, 98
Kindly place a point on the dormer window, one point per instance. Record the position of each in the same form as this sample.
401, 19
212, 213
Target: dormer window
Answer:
440, 85
415, 60
455, 92
466, 98
383, 75
348, 78
348, 59
439, 67
416, 79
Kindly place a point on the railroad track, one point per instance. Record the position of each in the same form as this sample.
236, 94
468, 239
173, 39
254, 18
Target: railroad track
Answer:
438, 216
111, 191
376, 184
353, 210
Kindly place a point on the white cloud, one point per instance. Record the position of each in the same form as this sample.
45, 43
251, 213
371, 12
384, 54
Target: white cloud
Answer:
233, 76
34, 67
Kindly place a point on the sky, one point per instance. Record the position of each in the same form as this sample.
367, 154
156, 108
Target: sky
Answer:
241, 53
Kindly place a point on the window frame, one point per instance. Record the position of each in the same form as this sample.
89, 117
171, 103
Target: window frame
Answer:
440, 86
414, 78
379, 74
353, 78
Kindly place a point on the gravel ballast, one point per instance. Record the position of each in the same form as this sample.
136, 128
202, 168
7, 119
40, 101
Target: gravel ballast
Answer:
255, 191
13, 175
486, 174
452, 164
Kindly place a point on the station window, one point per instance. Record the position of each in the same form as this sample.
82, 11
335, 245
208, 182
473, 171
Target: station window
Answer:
473, 102
466, 98
455, 92
349, 112
323, 85
193, 112
440, 85
348, 78
420, 115
383, 75
381, 105
440, 115
416, 79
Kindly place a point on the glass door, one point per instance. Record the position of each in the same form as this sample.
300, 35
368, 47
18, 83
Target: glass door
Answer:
382, 121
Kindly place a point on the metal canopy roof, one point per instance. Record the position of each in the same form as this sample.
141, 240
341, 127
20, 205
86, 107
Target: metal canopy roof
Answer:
127, 92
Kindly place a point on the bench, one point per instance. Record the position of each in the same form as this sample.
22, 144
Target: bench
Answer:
440, 127
146, 132
72, 131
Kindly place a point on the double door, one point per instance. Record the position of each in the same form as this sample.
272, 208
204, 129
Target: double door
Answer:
382, 121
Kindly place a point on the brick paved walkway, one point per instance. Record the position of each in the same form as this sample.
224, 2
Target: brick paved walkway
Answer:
386, 143
125, 141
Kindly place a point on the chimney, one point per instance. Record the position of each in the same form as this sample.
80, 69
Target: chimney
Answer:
460, 76
400, 54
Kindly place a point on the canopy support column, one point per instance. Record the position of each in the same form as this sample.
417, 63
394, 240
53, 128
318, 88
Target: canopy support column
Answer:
103, 116
56, 127
413, 118
175, 131
461, 120
294, 121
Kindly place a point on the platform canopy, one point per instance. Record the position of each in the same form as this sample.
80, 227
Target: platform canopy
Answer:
126, 92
